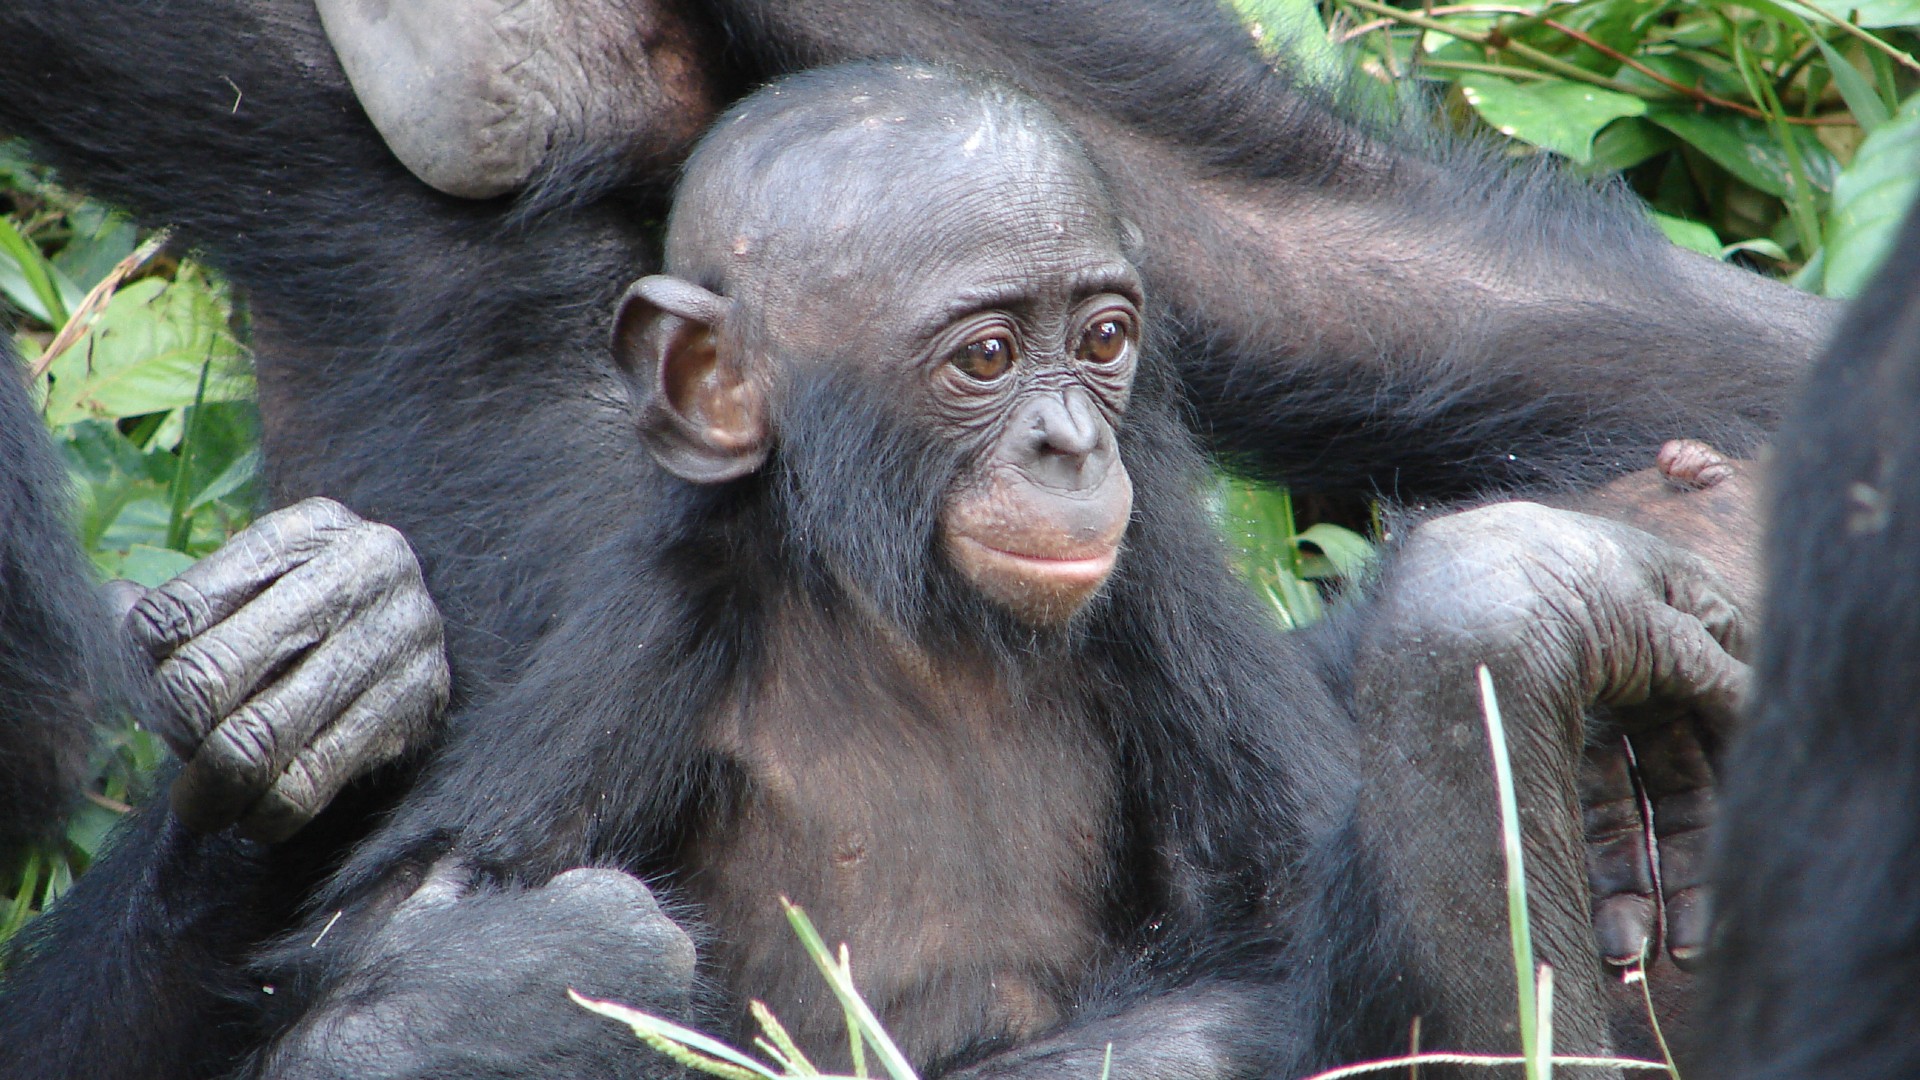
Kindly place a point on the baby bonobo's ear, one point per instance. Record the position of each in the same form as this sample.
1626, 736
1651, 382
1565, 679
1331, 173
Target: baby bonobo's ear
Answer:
702, 418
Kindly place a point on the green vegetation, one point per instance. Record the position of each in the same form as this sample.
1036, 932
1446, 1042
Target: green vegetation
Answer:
1785, 134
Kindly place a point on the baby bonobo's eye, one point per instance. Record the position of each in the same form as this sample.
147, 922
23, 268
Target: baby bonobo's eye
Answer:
1104, 340
985, 359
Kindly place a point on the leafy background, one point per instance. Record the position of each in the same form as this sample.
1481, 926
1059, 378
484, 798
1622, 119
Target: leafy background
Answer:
1785, 136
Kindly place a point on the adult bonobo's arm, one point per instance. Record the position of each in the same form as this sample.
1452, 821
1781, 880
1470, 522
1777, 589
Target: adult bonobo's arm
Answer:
1568, 612
1354, 312
302, 654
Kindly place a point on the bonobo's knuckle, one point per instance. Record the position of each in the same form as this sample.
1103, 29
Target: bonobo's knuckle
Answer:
188, 686
247, 743
321, 514
389, 544
168, 616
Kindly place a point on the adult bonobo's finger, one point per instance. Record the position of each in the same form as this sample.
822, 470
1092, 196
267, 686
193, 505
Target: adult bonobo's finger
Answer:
251, 748
1680, 785
215, 587
1619, 866
1696, 590
209, 675
1691, 667
392, 717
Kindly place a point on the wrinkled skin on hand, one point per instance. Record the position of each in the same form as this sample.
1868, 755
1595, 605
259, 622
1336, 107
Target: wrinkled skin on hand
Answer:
304, 653
1648, 785
463, 981
1569, 612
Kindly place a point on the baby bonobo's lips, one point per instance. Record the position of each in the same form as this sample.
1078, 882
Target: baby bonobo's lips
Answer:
1085, 569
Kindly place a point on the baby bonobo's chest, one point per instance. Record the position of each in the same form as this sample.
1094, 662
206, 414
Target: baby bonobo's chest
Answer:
958, 835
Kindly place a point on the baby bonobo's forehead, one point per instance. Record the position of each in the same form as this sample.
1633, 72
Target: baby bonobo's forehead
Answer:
882, 166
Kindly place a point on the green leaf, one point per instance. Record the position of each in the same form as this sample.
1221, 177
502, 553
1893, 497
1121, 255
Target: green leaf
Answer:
1559, 116
1870, 199
153, 566
101, 238
1348, 551
1861, 98
644, 1024
30, 283
1625, 143
144, 354
1291, 29
1688, 234
1745, 147
1876, 14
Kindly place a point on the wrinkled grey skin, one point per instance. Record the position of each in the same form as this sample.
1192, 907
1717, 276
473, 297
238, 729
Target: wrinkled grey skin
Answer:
1568, 612
304, 653
474, 95
458, 983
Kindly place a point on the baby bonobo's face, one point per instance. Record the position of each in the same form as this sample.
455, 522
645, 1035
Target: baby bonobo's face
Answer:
973, 265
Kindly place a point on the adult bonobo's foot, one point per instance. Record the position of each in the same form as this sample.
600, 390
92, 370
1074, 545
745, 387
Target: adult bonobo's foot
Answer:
1648, 785
299, 656
477, 96
471, 980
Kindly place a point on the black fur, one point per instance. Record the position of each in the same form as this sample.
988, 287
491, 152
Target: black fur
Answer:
1818, 862
62, 669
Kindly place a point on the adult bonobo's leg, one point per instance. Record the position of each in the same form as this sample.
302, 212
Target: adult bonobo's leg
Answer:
1568, 612
1357, 310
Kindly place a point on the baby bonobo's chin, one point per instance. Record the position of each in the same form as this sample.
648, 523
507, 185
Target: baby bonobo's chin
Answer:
1038, 553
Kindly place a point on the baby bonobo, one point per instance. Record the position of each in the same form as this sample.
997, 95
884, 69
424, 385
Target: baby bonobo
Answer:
927, 627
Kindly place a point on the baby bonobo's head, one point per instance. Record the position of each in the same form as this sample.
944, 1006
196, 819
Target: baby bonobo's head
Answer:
943, 236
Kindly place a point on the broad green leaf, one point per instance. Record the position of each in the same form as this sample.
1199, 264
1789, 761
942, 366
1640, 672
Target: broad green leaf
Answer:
1625, 143
144, 352
1559, 116
1744, 146
153, 566
1870, 199
1688, 234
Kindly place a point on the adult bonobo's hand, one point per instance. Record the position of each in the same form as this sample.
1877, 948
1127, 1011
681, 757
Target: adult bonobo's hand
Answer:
1569, 612
474, 983
300, 655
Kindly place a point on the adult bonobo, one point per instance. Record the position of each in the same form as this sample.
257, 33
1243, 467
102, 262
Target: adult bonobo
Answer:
1817, 965
925, 624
